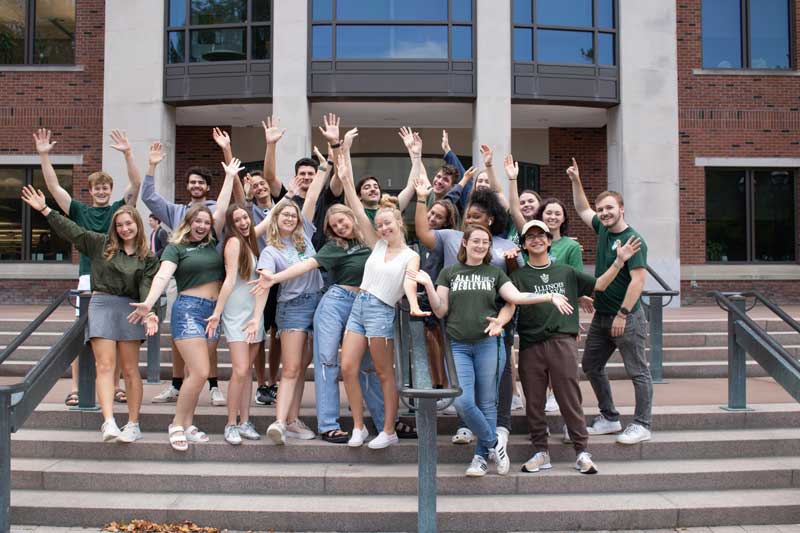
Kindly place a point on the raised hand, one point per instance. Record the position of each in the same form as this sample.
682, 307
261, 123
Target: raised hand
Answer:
511, 166
422, 187
511, 253
573, 171
331, 129
349, 137
487, 154
272, 130
233, 168
469, 174
630, 248
34, 198
320, 158
445, 142
562, 304
212, 323
42, 139
407, 135
343, 170
222, 138
155, 154
416, 146
494, 329
120, 141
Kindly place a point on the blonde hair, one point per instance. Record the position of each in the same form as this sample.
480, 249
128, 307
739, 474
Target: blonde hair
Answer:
274, 235
114, 243
181, 233
341, 209
390, 204
100, 177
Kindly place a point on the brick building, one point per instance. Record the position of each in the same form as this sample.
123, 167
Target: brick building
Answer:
690, 108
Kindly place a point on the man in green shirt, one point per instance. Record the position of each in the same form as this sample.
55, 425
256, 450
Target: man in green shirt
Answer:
619, 321
548, 341
94, 217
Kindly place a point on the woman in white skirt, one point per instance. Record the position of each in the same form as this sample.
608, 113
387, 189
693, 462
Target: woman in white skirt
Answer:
122, 271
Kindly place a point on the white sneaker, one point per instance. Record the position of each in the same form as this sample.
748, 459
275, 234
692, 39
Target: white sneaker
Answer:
633, 434
463, 436
358, 437
567, 438
277, 432
499, 456
551, 404
502, 436
383, 440
539, 461
602, 426
217, 398
110, 430
443, 408
298, 430
231, 435
584, 464
516, 403
131, 432
168, 395
248, 431
477, 468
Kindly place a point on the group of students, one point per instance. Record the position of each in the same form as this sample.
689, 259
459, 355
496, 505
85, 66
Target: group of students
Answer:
321, 266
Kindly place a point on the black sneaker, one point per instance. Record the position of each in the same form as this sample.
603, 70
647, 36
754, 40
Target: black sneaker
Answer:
263, 397
273, 392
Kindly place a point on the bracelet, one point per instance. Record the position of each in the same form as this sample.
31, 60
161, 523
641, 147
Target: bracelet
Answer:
322, 168
335, 146
488, 166
615, 265
422, 201
330, 163
512, 179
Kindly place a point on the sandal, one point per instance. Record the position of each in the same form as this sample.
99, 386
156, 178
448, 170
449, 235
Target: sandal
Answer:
120, 396
404, 431
193, 434
72, 399
335, 436
177, 438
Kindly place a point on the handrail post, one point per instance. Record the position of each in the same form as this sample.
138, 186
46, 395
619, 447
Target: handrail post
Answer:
5, 462
737, 362
86, 368
426, 459
154, 348
657, 338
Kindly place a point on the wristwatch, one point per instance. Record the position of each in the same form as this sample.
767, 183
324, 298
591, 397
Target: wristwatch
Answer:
624, 311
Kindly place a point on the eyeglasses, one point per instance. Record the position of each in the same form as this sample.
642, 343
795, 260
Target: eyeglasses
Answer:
536, 237
288, 214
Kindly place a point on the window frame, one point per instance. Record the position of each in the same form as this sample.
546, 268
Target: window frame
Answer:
188, 27
744, 39
750, 219
29, 49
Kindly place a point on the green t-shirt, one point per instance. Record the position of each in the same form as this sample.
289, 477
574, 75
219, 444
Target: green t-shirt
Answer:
371, 211
474, 295
539, 322
345, 265
95, 219
610, 300
567, 252
197, 263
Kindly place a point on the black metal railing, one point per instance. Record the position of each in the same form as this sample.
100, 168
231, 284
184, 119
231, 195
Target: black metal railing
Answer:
745, 336
655, 315
414, 382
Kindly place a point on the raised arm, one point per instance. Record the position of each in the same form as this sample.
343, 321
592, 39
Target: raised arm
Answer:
413, 143
315, 189
512, 295
43, 145
330, 130
119, 142
161, 208
232, 170
351, 198
424, 232
512, 171
582, 205
494, 183
223, 140
272, 134
87, 242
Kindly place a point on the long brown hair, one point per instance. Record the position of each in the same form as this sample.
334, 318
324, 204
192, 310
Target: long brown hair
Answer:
114, 243
181, 233
462, 249
341, 209
248, 246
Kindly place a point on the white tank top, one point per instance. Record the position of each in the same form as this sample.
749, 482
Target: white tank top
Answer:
383, 279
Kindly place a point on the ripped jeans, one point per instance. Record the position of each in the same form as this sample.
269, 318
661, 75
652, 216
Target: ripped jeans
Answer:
330, 320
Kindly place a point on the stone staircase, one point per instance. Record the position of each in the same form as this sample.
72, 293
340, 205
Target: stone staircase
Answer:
703, 467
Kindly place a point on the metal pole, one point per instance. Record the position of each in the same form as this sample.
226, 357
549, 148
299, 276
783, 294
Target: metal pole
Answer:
737, 363
86, 368
5, 462
426, 456
154, 348
657, 339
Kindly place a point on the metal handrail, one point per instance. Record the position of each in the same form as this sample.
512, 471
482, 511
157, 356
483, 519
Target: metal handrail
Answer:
655, 307
34, 325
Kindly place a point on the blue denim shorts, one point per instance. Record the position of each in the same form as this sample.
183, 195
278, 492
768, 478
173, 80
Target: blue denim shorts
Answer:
188, 318
371, 317
297, 314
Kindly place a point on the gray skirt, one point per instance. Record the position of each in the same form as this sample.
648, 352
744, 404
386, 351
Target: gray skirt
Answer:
108, 319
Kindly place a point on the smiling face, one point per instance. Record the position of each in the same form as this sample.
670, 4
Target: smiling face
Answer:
126, 227
442, 183
370, 192
200, 227
477, 245
553, 216
197, 187
536, 243
482, 182
528, 204
437, 216
288, 218
609, 211
259, 187
306, 174
388, 227
242, 222
101, 194
341, 225
477, 216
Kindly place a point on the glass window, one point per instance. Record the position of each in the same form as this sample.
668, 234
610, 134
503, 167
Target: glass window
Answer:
261, 11
391, 10
177, 12
523, 44
262, 44
769, 34
726, 215
606, 54
774, 215
462, 42
218, 11
461, 10
560, 46
11, 182
175, 47
522, 12
322, 10
12, 32
218, 45
53, 24
605, 14
46, 245
391, 42
321, 42
722, 33
564, 13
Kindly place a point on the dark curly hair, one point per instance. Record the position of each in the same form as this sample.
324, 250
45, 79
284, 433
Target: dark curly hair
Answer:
487, 202
547, 201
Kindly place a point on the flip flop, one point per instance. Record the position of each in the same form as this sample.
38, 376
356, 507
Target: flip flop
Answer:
120, 396
72, 399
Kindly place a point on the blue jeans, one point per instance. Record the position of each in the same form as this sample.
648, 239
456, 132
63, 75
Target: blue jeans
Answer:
478, 365
330, 320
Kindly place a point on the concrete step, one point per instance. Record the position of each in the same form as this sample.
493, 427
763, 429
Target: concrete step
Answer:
689, 444
615, 510
400, 479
